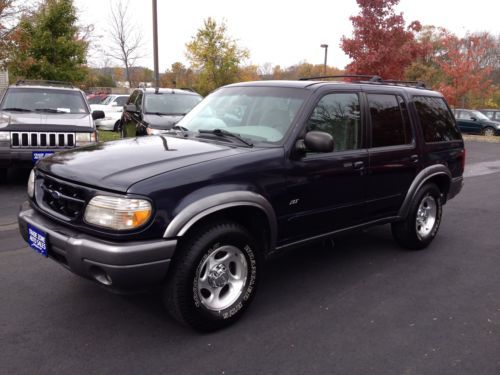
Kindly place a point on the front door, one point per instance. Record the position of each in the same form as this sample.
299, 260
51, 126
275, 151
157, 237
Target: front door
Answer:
326, 190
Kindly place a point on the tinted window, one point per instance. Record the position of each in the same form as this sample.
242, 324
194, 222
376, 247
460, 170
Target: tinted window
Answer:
436, 120
44, 100
390, 122
138, 100
339, 115
497, 116
133, 97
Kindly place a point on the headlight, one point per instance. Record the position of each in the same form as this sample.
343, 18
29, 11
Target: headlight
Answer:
4, 136
83, 139
31, 184
117, 213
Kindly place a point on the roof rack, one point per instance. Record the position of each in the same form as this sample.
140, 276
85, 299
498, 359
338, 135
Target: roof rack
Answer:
41, 82
372, 79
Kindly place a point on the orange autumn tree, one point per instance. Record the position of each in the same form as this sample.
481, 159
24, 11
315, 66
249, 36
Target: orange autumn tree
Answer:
466, 65
381, 43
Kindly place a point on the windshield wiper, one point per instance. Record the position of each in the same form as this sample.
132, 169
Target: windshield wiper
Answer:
13, 109
225, 133
50, 110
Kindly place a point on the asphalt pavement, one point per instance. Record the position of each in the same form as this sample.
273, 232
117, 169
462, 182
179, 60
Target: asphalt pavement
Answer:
362, 307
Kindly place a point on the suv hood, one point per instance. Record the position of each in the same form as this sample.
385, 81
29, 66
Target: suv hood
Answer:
46, 121
119, 164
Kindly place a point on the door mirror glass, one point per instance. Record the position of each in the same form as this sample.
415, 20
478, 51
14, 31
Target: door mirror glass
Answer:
96, 115
473, 118
317, 141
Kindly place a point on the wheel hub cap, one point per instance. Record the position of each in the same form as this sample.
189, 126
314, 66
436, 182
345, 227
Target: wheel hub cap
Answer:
426, 216
218, 276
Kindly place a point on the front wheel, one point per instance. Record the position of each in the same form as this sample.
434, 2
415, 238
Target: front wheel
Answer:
213, 278
421, 225
489, 132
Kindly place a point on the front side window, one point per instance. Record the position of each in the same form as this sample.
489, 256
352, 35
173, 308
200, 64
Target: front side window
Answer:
436, 120
390, 121
339, 115
121, 101
170, 104
43, 100
261, 114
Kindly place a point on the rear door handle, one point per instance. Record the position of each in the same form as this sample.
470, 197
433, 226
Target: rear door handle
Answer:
358, 164
414, 158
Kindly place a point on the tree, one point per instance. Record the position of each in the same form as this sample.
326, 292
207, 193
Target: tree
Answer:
48, 45
467, 67
215, 55
178, 76
125, 38
9, 10
381, 43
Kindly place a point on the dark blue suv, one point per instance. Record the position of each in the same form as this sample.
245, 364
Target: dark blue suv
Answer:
255, 168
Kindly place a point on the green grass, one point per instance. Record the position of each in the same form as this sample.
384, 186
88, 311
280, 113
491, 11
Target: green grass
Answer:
106, 135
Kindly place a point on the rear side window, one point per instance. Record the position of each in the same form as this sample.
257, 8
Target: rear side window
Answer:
390, 121
133, 97
436, 120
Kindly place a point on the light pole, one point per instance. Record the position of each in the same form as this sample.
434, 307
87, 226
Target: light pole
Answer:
155, 45
325, 46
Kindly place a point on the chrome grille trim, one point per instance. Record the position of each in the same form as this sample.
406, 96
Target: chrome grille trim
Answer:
21, 139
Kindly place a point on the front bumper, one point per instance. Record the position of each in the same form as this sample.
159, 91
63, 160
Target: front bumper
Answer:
118, 266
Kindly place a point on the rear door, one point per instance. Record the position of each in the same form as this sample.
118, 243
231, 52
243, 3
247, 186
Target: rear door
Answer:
467, 124
326, 190
393, 154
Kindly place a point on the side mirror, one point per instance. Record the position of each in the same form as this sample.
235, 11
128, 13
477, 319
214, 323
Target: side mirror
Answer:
317, 141
473, 118
131, 108
96, 115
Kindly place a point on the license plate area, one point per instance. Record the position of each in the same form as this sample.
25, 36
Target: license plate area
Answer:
37, 239
37, 155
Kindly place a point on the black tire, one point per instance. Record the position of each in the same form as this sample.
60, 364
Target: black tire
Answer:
3, 175
184, 296
408, 233
488, 131
117, 127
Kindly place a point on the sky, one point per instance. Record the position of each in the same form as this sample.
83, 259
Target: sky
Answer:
274, 31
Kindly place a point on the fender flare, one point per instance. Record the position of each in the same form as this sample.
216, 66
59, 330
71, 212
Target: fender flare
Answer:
420, 179
201, 208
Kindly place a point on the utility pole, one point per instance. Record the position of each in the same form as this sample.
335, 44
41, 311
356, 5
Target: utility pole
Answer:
155, 45
325, 46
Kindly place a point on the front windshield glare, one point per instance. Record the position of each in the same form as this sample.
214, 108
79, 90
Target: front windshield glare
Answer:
262, 114
170, 104
50, 100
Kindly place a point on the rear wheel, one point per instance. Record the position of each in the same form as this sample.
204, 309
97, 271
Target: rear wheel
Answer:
117, 126
489, 132
422, 223
214, 276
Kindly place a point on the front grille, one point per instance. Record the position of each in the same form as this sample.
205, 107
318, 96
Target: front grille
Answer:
62, 198
42, 140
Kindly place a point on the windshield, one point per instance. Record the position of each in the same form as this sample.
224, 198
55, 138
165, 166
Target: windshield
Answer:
44, 100
258, 113
108, 100
479, 115
170, 104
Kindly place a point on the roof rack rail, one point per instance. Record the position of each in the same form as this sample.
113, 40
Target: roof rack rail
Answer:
370, 78
396, 82
44, 82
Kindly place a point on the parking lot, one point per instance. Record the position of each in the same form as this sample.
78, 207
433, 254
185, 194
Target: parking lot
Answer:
361, 307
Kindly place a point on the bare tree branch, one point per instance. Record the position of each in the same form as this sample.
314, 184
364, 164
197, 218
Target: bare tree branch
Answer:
125, 37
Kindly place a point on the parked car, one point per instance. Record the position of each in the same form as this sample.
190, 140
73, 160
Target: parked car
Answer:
38, 118
492, 114
255, 168
112, 107
474, 122
96, 98
151, 111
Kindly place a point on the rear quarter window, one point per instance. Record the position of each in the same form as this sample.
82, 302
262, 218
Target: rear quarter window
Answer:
436, 119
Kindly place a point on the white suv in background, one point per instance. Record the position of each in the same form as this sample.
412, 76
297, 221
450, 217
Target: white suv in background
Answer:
112, 107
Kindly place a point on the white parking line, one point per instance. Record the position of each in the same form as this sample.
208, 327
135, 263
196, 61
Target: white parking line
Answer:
482, 168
